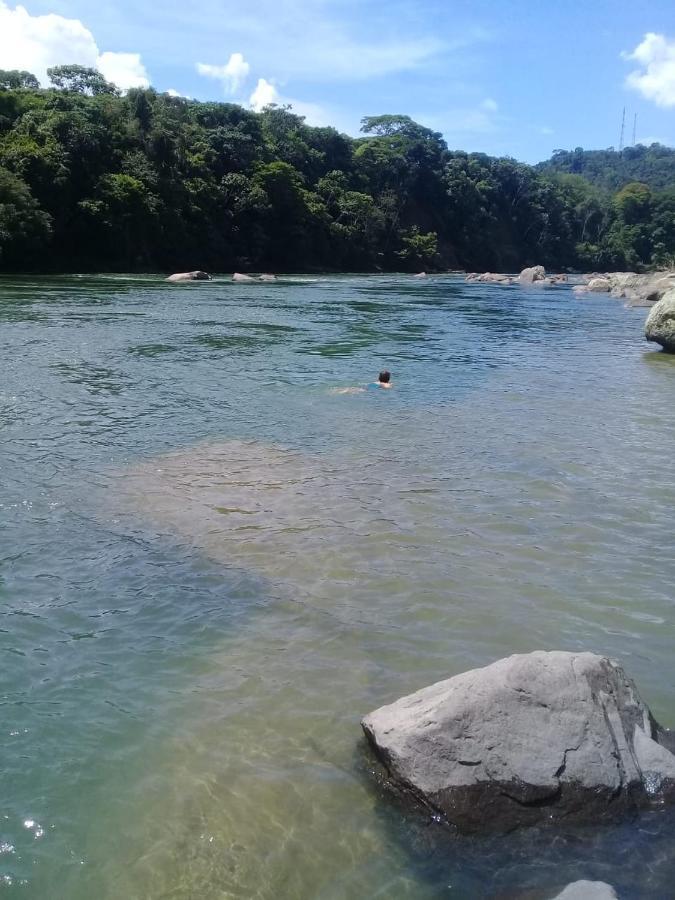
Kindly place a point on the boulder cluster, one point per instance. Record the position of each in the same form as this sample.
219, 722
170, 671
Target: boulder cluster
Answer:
531, 275
634, 288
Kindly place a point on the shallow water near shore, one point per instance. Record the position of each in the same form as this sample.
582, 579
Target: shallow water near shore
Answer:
212, 566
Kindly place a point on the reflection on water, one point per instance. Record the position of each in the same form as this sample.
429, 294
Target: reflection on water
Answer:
212, 566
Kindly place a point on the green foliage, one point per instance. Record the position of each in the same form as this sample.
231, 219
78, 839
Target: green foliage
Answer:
611, 169
419, 250
634, 203
90, 179
80, 80
13, 79
24, 227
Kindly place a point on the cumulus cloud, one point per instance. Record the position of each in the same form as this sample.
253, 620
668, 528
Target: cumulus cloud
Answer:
264, 94
34, 43
232, 74
124, 69
655, 80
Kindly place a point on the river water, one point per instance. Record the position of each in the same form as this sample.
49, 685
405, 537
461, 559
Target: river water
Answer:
213, 565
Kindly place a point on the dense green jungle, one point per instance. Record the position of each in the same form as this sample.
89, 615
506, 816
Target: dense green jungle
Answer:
93, 180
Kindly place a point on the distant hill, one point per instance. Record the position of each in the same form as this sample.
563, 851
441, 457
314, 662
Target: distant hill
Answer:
613, 169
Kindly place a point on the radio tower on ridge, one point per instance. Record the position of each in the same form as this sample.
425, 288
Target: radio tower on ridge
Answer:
623, 125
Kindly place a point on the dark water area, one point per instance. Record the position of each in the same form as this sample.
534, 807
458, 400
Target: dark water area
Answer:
211, 565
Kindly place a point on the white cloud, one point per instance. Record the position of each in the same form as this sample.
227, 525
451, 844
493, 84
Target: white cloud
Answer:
124, 69
35, 43
172, 92
489, 105
325, 40
232, 74
264, 94
656, 79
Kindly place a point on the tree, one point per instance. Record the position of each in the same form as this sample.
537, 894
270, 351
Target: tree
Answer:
388, 125
13, 80
418, 250
24, 227
80, 80
121, 213
148, 181
634, 203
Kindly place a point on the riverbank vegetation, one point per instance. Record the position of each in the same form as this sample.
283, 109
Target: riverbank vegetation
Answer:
93, 180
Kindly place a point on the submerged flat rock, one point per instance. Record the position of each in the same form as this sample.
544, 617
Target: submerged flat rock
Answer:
533, 737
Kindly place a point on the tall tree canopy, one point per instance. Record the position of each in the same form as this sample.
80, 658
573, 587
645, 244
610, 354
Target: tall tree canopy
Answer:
92, 179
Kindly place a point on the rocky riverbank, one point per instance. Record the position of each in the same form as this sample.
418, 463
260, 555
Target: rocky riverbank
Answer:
635, 288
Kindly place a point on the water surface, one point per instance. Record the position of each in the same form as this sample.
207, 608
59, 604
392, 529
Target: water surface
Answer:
212, 566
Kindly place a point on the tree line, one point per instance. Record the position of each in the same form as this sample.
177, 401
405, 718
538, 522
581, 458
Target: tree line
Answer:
91, 179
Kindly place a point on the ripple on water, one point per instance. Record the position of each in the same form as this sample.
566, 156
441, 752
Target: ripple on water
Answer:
212, 566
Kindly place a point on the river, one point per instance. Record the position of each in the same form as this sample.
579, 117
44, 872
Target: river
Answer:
213, 565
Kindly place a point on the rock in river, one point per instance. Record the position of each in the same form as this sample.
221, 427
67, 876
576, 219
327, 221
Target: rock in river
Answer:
534, 273
587, 890
532, 738
197, 275
490, 278
660, 324
599, 285
636, 289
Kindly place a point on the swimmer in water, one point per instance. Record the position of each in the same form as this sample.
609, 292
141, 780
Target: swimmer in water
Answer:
383, 381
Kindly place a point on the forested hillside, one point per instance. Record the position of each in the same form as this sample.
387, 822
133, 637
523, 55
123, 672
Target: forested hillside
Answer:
612, 170
92, 180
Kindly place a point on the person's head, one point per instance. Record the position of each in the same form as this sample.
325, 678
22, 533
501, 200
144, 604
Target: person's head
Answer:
384, 377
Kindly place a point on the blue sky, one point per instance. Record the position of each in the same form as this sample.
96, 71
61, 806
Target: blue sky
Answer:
519, 77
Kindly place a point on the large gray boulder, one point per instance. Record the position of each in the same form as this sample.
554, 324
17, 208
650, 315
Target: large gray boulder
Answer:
599, 285
587, 890
531, 738
197, 275
660, 324
532, 274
